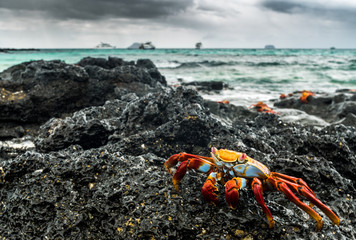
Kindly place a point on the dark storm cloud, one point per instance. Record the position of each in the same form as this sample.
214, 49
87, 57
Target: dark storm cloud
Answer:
283, 6
95, 9
333, 12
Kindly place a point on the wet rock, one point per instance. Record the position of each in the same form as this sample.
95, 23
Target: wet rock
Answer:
299, 116
166, 117
112, 62
145, 63
38, 90
7, 50
9, 131
14, 147
349, 120
89, 128
229, 111
347, 108
207, 85
330, 107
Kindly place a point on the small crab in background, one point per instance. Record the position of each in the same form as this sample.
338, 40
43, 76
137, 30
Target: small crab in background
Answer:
262, 107
224, 101
305, 95
303, 98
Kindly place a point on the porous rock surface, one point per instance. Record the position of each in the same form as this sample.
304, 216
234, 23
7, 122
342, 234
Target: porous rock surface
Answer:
334, 108
33, 92
99, 174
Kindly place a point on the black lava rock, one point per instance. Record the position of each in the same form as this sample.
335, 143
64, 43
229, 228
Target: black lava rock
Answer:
207, 85
333, 108
35, 91
175, 120
112, 62
98, 173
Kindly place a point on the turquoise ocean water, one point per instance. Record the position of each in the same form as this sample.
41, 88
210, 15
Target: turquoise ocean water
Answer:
255, 74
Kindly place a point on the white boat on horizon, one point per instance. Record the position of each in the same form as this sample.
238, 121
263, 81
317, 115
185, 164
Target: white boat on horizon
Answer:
103, 45
144, 46
270, 46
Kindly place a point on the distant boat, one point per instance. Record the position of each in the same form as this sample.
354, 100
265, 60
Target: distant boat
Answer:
269, 46
198, 45
103, 45
332, 48
147, 45
144, 46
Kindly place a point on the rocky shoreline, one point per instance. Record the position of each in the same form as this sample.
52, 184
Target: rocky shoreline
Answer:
83, 146
9, 50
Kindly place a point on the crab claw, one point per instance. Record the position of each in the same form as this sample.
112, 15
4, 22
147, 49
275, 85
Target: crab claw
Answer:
231, 194
232, 188
172, 161
209, 189
188, 162
181, 171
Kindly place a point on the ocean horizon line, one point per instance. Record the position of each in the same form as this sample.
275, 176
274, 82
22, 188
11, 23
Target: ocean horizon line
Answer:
181, 48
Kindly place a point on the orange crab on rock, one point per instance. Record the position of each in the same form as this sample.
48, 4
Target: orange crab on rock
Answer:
236, 170
262, 107
224, 101
305, 95
283, 96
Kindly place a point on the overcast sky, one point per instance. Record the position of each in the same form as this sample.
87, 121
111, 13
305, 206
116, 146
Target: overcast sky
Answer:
178, 23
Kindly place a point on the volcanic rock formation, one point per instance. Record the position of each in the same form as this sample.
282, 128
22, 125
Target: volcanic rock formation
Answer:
97, 172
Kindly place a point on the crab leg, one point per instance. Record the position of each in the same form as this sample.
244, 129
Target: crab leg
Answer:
210, 187
281, 186
232, 188
197, 164
293, 179
258, 191
180, 157
302, 190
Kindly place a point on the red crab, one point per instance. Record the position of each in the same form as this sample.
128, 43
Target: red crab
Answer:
262, 107
236, 170
224, 102
305, 95
283, 96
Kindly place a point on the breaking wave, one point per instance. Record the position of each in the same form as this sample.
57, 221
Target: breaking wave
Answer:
204, 64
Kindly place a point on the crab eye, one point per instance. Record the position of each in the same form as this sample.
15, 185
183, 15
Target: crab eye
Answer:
214, 154
214, 150
242, 158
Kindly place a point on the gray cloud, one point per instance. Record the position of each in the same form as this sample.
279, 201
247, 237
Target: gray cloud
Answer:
95, 9
283, 6
226, 23
331, 12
